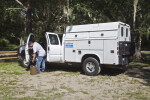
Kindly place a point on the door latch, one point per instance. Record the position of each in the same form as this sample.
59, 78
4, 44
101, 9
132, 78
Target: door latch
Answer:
111, 51
89, 42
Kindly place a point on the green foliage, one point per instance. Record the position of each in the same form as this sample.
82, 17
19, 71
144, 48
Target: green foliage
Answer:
10, 47
55, 15
4, 42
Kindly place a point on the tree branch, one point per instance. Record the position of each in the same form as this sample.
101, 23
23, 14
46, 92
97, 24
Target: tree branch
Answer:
13, 8
21, 4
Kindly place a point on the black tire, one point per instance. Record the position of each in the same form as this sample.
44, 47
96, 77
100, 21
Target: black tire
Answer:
22, 60
94, 64
23, 64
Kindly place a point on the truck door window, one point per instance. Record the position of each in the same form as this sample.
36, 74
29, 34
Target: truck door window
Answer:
122, 31
31, 38
53, 39
126, 32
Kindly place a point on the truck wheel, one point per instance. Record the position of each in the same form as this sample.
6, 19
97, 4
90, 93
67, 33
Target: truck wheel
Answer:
23, 63
91, 66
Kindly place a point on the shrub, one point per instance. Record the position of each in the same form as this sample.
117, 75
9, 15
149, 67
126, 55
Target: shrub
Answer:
4, 42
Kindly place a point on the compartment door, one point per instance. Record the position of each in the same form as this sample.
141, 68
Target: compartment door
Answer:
70, 51
110, 52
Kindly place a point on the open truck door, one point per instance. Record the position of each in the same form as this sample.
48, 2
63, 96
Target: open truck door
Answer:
27, 56
53, 47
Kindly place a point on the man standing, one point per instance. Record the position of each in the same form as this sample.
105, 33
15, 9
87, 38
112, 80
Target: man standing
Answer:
37, 48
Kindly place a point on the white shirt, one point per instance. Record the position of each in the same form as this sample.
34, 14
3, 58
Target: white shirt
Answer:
39, 49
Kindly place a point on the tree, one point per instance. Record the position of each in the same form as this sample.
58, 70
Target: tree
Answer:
140, 24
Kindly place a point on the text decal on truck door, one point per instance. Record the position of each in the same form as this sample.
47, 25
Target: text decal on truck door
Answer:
69, 45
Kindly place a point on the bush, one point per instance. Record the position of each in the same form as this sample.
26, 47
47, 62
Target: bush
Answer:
4, 42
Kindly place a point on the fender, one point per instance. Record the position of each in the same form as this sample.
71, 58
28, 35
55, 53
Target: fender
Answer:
91, 55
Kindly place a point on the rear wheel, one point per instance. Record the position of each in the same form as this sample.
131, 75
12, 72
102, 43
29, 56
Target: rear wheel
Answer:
91, 66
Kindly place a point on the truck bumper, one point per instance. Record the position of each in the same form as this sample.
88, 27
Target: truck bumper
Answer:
123, 60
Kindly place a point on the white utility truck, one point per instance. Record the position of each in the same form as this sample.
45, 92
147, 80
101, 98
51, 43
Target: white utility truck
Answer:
91, 45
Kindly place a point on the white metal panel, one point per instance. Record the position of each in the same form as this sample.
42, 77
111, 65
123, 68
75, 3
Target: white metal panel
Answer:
93, 27
77, 35
70, 51
128, 36
103, 34
93, 52
96, 45
124, 37
53, 50
82, 44
110, 51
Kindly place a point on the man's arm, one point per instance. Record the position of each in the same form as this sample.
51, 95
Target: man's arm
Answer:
34, 55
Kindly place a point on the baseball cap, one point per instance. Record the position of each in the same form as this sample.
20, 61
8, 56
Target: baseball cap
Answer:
29, 44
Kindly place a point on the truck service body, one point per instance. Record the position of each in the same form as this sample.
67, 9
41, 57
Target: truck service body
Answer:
91, 45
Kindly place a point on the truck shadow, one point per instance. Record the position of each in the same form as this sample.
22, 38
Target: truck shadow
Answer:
51, 67
111, 71
77, 68
142, 72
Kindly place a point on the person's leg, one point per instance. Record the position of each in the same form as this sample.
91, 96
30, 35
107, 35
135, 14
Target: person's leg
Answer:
39, 64
43, 65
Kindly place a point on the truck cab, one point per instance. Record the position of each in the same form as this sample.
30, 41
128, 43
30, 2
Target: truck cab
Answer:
52, 43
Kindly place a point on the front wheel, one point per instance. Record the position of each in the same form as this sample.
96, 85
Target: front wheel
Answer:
24, 63
91, 66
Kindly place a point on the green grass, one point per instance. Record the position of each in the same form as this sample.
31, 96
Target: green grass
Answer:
92, 80
70, 90
138, 95
145, 52
74, 73
84, 92
10, 47
58, 95
11, 68
144, 61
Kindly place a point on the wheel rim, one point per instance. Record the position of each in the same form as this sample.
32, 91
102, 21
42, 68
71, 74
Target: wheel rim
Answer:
25, 63
90, 67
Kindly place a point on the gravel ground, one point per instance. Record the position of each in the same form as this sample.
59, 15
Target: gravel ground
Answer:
68, 83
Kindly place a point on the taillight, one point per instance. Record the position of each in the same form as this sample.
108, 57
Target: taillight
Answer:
117, 50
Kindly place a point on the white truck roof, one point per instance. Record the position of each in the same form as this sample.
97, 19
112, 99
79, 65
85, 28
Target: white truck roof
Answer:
94, 27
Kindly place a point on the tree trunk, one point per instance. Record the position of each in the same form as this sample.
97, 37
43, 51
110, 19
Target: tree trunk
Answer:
137, 54
23, 32
21, 41
29, 18
134, 16
137, 39
67, 12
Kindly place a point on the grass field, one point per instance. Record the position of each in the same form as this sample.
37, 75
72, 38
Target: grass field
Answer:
68, 83
145, 61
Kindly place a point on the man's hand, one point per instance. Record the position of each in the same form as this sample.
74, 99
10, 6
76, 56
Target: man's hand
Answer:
32, 61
